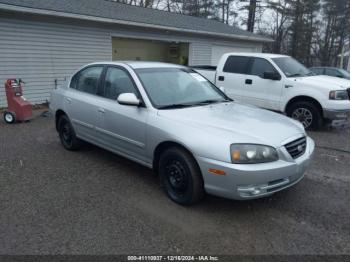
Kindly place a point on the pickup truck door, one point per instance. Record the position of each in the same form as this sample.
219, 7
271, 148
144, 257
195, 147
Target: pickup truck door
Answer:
257, 90
123, 127
232, 76
81, 103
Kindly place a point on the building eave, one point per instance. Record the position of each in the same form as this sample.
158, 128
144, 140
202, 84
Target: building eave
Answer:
28, 10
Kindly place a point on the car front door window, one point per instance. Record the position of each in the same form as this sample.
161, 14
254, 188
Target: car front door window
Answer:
117, 82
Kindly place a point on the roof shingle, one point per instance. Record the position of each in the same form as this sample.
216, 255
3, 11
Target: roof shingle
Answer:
124, 12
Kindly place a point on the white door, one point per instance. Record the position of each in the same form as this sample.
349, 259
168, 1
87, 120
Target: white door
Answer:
219, 50
232, 76
259, 91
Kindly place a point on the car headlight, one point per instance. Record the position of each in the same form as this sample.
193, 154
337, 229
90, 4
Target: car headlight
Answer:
339, 95
252, 154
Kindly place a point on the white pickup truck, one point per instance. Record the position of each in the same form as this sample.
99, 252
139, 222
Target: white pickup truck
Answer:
282, 84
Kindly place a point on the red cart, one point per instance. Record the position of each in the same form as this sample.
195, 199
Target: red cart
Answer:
19, 109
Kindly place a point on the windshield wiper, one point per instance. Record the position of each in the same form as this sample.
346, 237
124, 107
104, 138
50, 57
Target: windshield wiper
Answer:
211, 101
175, 106
295, 75
204, 102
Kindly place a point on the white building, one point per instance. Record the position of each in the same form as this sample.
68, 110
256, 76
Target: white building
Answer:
44, 41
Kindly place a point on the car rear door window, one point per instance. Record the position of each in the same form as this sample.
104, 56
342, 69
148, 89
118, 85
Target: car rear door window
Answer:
87, 80
117, 81
260, 66
237, 64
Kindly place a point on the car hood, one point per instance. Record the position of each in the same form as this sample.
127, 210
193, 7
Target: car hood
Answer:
324, 81
237, 122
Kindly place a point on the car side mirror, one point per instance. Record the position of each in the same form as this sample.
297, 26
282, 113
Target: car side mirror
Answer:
272, 75
128, 99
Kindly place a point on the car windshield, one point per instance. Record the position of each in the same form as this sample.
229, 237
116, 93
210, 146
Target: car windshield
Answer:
345, 73
291, 67
178, 87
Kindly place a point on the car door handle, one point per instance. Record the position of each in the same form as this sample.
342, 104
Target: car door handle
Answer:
221, 78
101, 110
249, 81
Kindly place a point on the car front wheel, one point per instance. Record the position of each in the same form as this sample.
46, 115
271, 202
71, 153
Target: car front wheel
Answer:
180, 176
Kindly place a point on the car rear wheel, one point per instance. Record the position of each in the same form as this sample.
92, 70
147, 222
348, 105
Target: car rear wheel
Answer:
67, 134
9, 117
180, 176
307, 113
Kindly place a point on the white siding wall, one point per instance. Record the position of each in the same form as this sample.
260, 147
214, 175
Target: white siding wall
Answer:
40, 52
209, 53
200, 53
219, 50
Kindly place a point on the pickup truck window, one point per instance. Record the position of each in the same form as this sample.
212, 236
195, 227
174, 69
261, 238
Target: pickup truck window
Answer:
87, 80
117, 81
174, 88
318, 71
260, 66
291, 67
237, 64
345, 73
333, 72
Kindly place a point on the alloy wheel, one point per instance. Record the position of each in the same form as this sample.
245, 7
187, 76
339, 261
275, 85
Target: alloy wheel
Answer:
304, 116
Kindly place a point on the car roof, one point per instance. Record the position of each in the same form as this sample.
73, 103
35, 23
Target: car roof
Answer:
262, 55
139, 64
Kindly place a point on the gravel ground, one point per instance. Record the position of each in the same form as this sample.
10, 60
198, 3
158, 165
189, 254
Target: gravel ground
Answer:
93, 202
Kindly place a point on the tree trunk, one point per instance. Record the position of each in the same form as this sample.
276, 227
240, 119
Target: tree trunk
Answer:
251, 15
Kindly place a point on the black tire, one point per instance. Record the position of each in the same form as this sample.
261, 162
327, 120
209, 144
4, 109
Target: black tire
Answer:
67, 134
307, 113
180, 176
9, 117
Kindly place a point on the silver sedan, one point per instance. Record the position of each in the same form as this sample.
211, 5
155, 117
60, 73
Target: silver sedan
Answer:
169, 118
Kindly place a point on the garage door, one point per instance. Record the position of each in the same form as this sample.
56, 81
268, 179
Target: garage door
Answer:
219, 50
149, 50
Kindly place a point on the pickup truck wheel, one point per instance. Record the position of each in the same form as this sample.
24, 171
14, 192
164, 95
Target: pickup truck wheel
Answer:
307, 113
180, 176
67, 134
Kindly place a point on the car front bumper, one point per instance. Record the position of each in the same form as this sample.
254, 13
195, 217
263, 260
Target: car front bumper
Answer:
336, 114
249, 181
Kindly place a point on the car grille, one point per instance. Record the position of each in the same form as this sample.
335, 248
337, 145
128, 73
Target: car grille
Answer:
349, 93
297, 147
